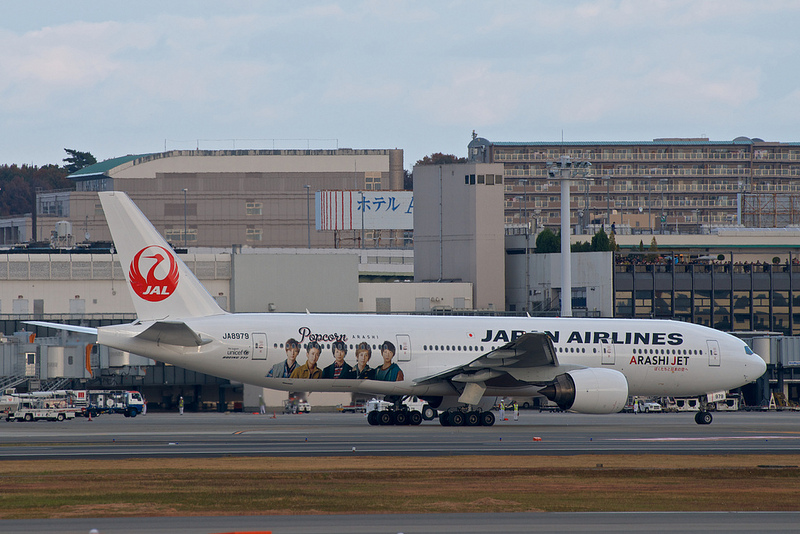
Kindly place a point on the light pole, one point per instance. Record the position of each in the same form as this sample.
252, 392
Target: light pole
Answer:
564, 170
608, 200
308, 213
527, 245
649, 208
586, 218
663, 183
184, 217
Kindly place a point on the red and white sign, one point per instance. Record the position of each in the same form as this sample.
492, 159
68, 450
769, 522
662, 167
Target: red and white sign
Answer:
162, 273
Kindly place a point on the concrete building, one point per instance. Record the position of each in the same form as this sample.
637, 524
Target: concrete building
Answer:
660, 186
458, 228
258, 198
540, 280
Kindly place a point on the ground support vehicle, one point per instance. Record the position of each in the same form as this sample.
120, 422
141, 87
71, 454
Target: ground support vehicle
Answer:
39, 410
352, 408
294, 405
96, 402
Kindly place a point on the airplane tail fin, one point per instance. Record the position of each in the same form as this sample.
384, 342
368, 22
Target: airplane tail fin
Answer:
161, 285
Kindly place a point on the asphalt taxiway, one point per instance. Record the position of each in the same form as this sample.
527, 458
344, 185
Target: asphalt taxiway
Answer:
165, 435
246, 434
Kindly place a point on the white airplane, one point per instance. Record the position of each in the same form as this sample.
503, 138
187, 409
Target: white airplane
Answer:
458, 365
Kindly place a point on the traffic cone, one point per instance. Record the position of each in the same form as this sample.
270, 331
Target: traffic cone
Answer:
90, 415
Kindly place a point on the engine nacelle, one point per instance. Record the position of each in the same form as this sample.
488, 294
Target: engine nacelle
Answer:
589, 391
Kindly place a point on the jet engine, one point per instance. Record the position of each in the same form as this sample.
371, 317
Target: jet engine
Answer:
589, 391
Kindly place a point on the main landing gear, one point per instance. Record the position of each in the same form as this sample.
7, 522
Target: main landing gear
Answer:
399, 414
466, 417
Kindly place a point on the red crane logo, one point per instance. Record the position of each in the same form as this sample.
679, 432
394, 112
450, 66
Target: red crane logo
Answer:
150, 287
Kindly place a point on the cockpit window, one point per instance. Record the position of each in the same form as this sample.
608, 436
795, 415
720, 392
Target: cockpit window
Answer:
748, 350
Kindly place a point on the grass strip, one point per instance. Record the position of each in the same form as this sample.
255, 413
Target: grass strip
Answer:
353, 484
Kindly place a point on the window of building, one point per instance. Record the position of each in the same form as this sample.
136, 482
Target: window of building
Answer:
179, 209
253, 207
579, 298
253, 234
175, 235
372, 182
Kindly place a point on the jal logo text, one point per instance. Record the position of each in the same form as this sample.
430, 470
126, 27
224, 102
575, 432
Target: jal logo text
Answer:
162, 273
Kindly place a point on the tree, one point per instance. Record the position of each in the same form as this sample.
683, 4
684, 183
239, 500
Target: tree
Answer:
547, 241
612, 240
600, 242
77, 160
581, 246
653, 256
19, 185
440, 159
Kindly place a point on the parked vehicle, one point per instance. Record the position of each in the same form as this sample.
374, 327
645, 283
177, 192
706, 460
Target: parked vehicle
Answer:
96, 402
648, 407
40, 409
295, 405
358, 407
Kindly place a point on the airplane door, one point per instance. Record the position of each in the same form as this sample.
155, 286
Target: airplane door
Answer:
609, 355
259, 346
713, 352
403, 348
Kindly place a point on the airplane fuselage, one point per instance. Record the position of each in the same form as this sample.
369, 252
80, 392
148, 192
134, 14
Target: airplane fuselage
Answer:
657, 357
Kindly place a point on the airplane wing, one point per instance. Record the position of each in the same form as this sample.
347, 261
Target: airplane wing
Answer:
531, 350
66, 327
172, 333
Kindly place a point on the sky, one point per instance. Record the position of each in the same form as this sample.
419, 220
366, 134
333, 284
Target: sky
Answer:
117, 78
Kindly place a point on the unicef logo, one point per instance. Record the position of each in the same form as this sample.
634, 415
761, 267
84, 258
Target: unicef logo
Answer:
162, 273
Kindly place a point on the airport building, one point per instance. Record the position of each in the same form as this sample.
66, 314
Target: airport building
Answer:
220, 198
670, 185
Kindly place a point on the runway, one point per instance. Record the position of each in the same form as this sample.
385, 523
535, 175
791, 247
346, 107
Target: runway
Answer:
331, 434
169, 435
522, 523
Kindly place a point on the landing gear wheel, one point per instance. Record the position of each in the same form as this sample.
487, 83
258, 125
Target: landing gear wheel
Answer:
444, 419
428, 413
372, 418
473, 419
456, 419
487, 418
414, 418
385, 418
703, 418
401, 418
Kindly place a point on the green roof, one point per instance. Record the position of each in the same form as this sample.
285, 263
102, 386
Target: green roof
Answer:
103, 167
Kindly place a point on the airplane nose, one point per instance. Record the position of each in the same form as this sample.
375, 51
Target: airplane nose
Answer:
759, 366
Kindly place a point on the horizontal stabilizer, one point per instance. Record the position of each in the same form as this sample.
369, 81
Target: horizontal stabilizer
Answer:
66, 327
173, 333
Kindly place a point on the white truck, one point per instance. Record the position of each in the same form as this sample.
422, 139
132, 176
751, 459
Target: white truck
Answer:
33, 407
95, 402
